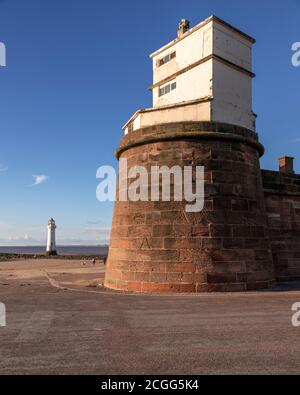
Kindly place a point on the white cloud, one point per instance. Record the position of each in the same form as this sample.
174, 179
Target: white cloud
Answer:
13, 241
97, 230
95, 222
26, 237
296, 140
38, 180
3, 168
37, 236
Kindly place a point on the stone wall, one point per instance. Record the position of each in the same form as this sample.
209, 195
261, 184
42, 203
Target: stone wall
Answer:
159, 247
282, 197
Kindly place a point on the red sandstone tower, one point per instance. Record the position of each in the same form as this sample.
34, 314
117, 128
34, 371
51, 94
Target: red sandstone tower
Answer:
201, 116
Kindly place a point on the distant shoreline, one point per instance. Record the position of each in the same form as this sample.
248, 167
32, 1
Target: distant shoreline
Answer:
64, 252
4, 257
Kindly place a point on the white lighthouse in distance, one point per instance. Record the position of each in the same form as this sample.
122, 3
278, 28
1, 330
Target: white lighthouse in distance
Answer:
51, 245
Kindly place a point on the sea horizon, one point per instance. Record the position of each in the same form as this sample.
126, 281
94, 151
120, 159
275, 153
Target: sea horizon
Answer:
61, 249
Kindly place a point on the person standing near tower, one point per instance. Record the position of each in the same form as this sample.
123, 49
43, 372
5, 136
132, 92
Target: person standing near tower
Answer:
51, 245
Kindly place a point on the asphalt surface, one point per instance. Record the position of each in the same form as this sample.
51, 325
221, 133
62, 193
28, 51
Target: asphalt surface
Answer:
59, 323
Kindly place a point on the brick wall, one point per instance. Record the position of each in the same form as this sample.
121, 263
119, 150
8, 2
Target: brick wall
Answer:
282, 198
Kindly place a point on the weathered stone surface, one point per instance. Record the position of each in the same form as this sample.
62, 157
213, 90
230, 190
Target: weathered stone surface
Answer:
159, 247
282, 197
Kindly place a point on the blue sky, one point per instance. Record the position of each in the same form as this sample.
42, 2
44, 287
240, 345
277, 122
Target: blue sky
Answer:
77, 70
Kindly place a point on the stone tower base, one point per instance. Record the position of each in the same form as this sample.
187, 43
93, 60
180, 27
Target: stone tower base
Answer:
51, 253
159, 247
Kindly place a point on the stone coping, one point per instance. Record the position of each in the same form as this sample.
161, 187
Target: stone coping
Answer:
189, 131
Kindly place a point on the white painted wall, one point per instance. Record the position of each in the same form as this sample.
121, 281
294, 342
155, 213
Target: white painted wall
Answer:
232, 93
232, 46
51, 242
195, 84
186, 113
229, 87
188, 51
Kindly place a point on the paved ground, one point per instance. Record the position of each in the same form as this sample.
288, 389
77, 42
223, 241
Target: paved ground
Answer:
58, 322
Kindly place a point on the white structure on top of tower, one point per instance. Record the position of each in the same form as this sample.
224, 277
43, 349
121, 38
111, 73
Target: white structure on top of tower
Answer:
205, 74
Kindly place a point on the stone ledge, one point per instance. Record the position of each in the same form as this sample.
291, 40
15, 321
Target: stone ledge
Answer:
189, 131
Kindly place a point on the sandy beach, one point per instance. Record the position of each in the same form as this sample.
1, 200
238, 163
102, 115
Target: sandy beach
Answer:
60, 320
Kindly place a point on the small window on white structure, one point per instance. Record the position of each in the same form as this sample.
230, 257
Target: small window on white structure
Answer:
166, 59
167, 89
